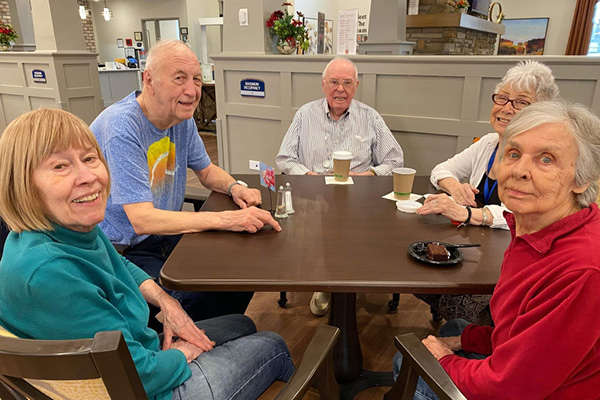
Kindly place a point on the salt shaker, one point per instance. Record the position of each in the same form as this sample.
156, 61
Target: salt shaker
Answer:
280, 209
288, 198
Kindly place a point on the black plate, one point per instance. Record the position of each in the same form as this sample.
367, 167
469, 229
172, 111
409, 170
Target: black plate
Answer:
418, 250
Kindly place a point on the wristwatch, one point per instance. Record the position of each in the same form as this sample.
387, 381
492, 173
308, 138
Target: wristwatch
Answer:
238, 182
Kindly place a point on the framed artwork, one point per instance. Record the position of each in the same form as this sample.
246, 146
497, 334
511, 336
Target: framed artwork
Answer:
120, 43
128, 42
523, 36
137, 36
328, 44
183, 30
313, 34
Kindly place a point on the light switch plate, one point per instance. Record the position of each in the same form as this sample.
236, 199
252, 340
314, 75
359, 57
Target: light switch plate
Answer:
254, 165
243, 17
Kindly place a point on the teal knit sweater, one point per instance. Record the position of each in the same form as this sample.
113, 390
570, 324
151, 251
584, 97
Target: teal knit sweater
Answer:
70, 285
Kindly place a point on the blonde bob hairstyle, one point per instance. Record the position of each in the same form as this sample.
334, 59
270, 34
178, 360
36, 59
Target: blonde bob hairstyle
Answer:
26, 143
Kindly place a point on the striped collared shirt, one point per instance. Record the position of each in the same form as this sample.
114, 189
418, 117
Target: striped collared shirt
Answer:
313, 136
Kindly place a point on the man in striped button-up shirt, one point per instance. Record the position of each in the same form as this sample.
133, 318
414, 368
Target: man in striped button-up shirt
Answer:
338, 123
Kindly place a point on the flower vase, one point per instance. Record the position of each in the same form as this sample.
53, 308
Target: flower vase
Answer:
462, 10
285, 48
5, 47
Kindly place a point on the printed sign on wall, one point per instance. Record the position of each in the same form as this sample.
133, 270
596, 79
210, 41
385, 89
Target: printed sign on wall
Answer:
252, 88
39, 76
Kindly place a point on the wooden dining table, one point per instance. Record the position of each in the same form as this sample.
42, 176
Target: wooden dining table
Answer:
341, 239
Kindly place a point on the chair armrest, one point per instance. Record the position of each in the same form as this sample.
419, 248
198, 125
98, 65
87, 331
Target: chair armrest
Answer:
417, 361
316, 364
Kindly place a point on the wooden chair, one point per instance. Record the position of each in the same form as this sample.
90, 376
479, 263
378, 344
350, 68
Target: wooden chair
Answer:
418, 361
102, 368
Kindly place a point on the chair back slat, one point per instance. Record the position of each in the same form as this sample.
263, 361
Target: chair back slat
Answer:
99, 368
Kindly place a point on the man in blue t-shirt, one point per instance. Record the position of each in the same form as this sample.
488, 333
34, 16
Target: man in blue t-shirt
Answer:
149, 139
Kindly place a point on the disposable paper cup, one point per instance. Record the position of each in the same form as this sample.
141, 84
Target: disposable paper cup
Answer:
341, 165
403, 182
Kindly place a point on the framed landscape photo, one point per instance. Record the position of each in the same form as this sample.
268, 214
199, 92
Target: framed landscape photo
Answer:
523, 36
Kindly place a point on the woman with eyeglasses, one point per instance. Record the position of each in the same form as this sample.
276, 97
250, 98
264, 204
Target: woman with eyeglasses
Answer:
476, 202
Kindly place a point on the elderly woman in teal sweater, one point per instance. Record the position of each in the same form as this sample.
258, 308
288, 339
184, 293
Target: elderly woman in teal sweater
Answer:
60, 277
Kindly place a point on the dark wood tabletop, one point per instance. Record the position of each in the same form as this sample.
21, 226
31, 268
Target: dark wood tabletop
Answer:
341, 238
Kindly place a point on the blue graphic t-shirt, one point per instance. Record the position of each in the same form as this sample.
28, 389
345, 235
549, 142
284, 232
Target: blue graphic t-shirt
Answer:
146, 164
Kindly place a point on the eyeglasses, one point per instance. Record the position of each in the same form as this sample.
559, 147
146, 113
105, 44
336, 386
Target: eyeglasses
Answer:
502, 100
334, 83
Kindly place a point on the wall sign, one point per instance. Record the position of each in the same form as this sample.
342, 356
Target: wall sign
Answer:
252, 88
39, 76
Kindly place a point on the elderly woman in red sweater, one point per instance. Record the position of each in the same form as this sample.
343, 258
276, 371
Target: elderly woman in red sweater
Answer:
546, 341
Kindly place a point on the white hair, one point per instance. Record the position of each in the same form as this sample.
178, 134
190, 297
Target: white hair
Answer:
337, 59
159, 53
531, 76
582, 124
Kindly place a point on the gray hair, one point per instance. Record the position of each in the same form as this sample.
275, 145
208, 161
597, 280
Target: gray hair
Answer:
582, 124
161, 51
337, 59
531, 76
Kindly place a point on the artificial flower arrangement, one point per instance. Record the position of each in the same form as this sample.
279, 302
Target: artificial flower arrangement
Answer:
7, 35
458, 4
291, 32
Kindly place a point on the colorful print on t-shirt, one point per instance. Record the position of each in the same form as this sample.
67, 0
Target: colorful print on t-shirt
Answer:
161, 162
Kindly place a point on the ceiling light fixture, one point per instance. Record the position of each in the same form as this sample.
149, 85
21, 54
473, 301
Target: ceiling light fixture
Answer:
82, 12
106, 13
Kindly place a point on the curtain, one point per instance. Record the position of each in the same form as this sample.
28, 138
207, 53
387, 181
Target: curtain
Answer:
581, 28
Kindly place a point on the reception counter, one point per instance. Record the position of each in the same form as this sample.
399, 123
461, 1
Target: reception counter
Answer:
118, 83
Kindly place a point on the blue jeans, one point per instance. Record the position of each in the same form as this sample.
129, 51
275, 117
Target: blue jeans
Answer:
242, 364
453, 327
151, 254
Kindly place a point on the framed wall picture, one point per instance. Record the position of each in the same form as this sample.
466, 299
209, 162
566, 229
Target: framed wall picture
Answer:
128, 42
183, 30
328, 42
313, 34
120, 43
137, 36
523, 36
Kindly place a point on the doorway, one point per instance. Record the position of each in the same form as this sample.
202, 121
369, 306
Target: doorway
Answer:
159, 29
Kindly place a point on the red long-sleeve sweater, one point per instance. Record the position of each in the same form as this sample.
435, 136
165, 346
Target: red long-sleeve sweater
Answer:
546, 307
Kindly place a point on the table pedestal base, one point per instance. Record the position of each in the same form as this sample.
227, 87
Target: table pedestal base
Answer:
367, 379
347, 354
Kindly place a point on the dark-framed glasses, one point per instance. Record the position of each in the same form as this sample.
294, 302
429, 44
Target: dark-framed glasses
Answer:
346, 83
502, 100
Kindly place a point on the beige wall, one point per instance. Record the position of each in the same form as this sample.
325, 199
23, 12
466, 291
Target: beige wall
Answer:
72, 84
127, 18
434, 105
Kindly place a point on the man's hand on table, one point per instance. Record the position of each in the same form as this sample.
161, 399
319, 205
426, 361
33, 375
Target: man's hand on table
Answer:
311, 173
250, 219
245, 197
438, 348
366, 173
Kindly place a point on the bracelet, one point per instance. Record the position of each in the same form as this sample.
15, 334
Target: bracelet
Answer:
485, 217
230, 186
468, 217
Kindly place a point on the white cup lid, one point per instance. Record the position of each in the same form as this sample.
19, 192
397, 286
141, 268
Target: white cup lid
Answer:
408, 206
404, 171
342, 155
